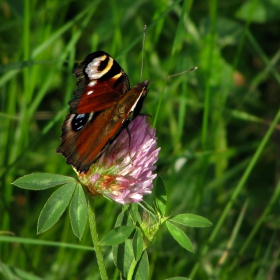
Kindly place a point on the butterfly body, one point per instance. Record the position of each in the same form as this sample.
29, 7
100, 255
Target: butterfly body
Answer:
103, 105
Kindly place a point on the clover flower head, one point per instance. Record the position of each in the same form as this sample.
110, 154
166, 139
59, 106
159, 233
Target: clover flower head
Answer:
124, 172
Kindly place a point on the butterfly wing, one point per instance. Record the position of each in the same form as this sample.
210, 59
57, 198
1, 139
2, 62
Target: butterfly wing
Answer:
101, 82
101, 108
94, 132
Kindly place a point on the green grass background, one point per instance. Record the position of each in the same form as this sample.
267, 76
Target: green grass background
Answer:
218, 129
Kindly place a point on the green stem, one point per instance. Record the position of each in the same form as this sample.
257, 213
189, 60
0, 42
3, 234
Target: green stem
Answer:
94, 235
131, 269
237, 191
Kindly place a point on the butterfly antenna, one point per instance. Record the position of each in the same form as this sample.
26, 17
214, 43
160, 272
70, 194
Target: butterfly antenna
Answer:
174, 75
143, 44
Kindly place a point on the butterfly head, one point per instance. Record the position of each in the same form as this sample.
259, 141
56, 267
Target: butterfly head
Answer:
142, 87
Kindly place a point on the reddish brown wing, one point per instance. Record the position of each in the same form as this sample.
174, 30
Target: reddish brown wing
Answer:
101, 108
84, 140
101, 82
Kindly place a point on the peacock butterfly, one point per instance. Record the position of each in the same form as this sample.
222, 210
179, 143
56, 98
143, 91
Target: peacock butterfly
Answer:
103, 105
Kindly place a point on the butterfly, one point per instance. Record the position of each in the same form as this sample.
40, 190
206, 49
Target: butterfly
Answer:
103, 105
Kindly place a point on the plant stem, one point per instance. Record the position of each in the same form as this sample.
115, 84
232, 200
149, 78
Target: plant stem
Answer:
94, 235
131, 269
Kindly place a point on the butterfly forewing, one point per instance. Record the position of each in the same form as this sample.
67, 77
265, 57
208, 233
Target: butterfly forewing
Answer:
102, 106
101, 82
